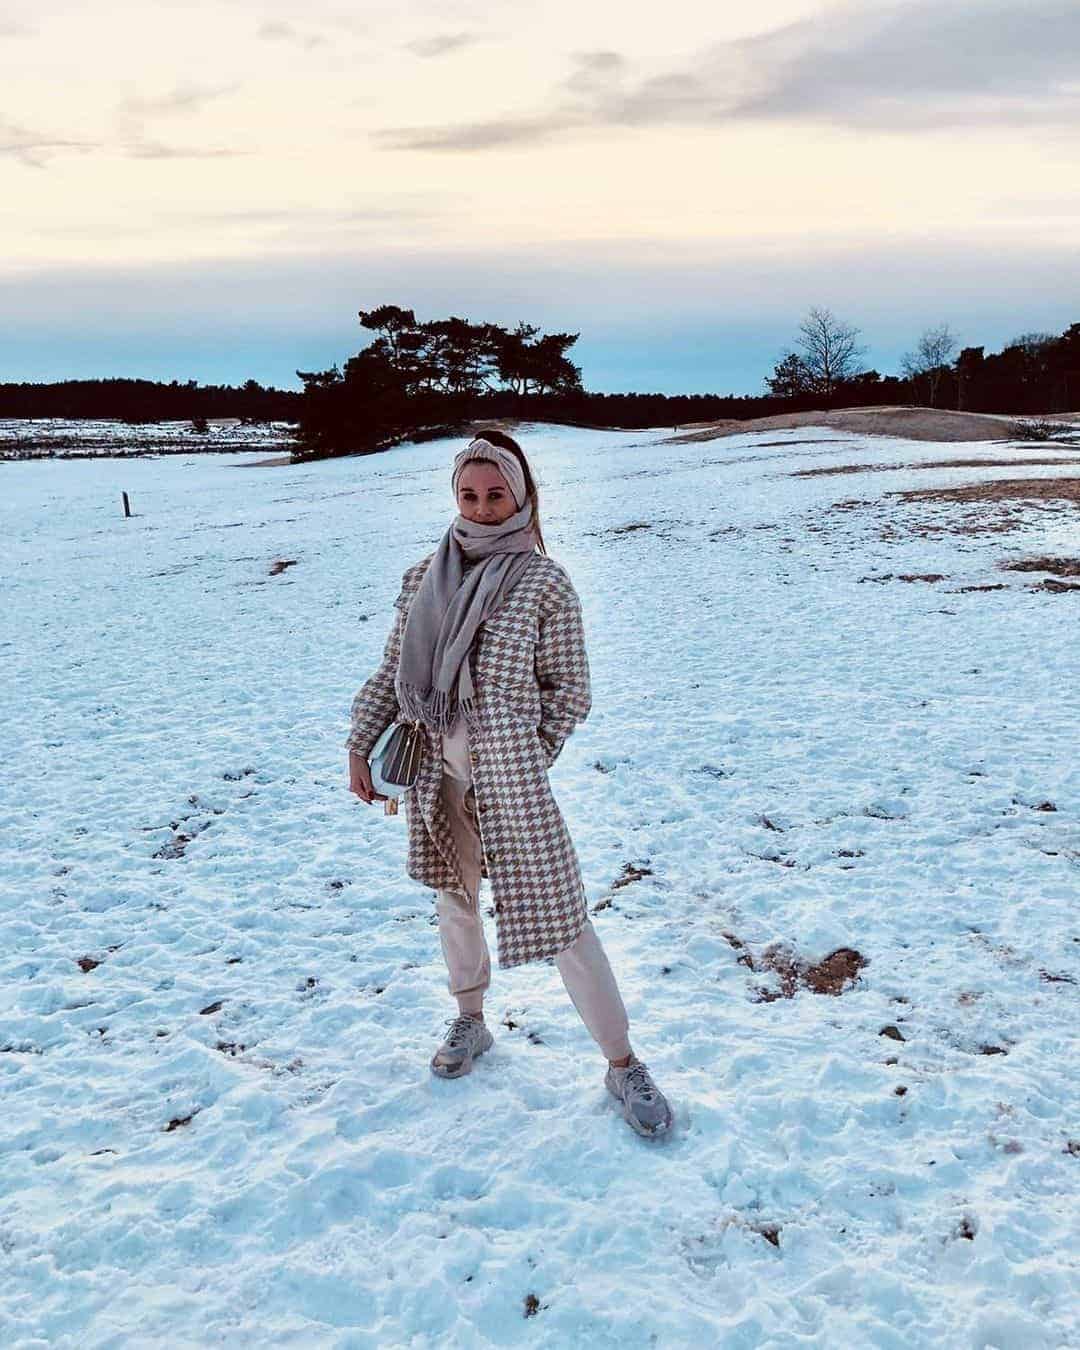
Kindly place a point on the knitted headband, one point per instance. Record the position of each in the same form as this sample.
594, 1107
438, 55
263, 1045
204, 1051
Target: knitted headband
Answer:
507, 463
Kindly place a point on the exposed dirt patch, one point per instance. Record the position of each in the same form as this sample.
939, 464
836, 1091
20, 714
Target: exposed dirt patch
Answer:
838, 970
1055, 587
916, 424
769, 1231
993, 507
174, 847
907, 576
264, 463
1059, 567
632, 528
832, 975
845, 468
932, 464
276, 568
630, 873
819, 440
1000, 490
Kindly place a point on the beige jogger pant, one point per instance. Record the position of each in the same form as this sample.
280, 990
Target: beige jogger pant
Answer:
583, 965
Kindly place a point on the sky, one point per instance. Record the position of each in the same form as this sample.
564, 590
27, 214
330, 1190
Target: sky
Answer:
212, 191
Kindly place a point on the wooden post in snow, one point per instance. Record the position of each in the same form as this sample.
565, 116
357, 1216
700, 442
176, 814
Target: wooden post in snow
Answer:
127, 505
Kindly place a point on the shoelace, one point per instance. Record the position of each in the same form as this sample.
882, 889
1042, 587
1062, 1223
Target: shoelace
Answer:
458, 1033
637, 1076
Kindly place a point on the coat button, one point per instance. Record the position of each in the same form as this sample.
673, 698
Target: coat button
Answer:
498, 906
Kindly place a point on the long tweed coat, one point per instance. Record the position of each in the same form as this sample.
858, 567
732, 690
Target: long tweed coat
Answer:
531, 686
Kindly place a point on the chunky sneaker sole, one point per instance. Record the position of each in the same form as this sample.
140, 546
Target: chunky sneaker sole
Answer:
644, 1106
466, 1039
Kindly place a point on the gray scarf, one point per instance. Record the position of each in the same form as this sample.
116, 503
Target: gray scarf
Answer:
433, 681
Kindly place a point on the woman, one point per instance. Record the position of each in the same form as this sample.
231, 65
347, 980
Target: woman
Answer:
487, 652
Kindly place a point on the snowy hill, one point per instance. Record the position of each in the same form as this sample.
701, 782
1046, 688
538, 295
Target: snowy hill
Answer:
826, 718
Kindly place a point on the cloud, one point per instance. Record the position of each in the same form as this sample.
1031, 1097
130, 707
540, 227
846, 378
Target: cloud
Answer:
957, 62
424, 208
185, 98
930, 65
277, 30
33, 148
36, 149
537, 130
593, 76
595, 72
441, 43
144, 149
331, 224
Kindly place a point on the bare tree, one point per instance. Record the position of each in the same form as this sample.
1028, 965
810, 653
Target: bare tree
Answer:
931, 356
1033, 345
830, 353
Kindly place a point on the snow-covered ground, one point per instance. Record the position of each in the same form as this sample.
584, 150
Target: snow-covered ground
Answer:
226, 1133
61, 437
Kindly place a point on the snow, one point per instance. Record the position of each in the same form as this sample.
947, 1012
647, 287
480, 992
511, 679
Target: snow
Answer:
60, 437
796, 758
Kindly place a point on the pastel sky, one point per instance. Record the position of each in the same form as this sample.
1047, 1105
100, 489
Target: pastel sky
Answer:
212, 190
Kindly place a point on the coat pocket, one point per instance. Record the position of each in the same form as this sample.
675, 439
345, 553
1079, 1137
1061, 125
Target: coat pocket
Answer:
506, 651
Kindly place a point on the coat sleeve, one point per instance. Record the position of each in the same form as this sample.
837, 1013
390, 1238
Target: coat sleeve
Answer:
562, 672
375, 704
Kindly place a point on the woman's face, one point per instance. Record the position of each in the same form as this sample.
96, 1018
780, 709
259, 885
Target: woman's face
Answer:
483, 495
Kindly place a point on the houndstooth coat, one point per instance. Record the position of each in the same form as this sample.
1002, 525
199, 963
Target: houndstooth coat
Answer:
531, 686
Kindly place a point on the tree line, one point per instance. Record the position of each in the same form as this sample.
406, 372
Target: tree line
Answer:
139, 401
1034, 373
418, 379
424, 379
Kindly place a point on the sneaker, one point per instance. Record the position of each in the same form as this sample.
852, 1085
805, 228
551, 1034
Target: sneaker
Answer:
644, 1105
467, 1038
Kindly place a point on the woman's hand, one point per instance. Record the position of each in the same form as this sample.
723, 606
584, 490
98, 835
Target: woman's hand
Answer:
360, 780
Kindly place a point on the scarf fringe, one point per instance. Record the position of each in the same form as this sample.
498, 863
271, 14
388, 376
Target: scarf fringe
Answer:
434, 707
